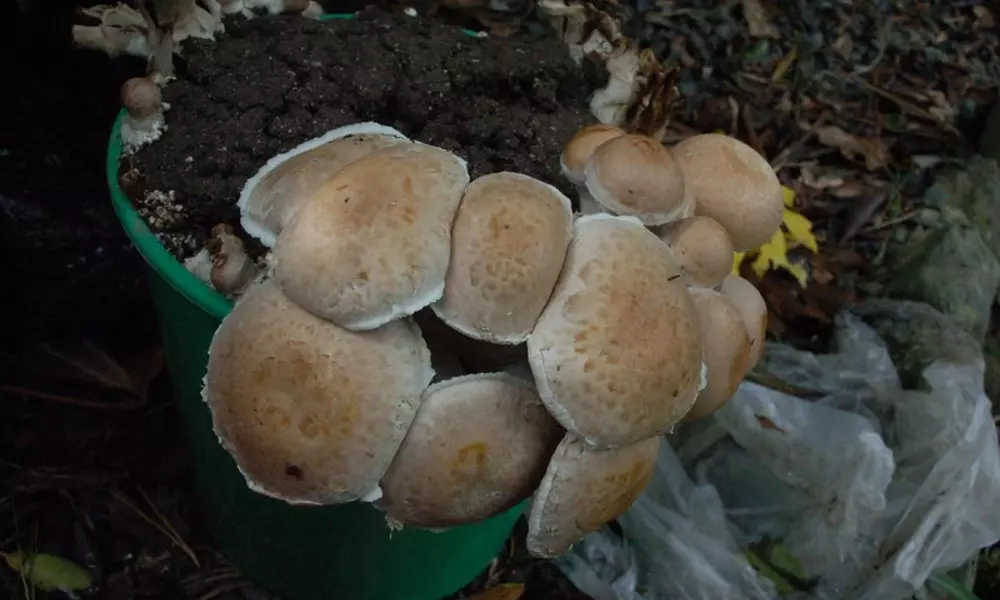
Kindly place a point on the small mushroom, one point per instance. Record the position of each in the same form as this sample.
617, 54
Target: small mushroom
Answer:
143, 122
584, 489
702, 247
574, 159
734, 185
275, 193
311, 412
752, 309
374, 243
726, 350
232, 268
636, 175
478, 445
508, 244
616, 354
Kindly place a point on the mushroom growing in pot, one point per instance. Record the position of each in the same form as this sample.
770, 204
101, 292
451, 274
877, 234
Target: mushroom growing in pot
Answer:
311, 412
726, 350
702, 247
575, 155
479, 445
275, 193
374, 242
584, 489
143, 122
616, 354
734, 185
508, 243
636, 175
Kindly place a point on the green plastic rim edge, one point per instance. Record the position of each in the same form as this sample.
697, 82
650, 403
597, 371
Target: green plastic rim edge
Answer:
157, 257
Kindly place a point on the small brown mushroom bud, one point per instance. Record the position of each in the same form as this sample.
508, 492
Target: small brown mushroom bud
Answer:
232, 269
143, 122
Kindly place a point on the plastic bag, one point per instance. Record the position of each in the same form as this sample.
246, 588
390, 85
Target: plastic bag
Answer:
869, 487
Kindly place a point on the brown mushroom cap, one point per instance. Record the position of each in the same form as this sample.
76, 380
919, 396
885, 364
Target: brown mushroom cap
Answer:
635, 175
374, 242
312, 413
726, 350
584, 489
141, 98
752, 309
702, 248
508, 243
581, 146
275, 193
616, 354
479, 445
734, 185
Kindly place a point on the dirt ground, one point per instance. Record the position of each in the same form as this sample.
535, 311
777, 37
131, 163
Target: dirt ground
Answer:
271, 84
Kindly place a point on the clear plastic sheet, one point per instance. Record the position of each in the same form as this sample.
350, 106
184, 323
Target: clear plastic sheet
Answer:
871, 488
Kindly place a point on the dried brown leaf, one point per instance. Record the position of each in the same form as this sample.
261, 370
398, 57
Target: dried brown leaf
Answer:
872, 150
504, 591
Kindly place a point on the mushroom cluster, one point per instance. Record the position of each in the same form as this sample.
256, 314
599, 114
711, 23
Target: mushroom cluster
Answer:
447, 347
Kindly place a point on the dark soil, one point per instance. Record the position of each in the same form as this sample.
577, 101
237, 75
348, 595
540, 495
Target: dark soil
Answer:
270, 84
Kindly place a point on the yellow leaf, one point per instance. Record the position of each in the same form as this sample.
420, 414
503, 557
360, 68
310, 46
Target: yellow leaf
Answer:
788, 196
799, 229
47, 572
797, 272
737, 261
774, 255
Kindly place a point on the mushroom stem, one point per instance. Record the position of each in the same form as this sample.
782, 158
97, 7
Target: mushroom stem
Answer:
588, 206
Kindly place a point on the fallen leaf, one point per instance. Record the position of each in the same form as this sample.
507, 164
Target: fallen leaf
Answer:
799, 230
758, 22
818, 180
872, 150
47, 572
503, 591
782, 66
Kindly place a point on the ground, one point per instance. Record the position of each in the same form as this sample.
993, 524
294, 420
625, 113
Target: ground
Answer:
92, 466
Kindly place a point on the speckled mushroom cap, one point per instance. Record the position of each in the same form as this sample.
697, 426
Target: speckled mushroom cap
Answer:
726, 350
275, 193
581, 146
141, 97
584, 489
374, 243
311, 412
479, 445
748, 302
616, 354
702, 247
734, 185
635, 175
508, 243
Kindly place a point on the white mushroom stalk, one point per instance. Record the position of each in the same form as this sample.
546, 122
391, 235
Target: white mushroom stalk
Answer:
224, 263
143, 122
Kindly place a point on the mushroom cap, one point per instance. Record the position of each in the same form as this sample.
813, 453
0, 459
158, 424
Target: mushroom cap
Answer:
750, 305
581, 146
508, 243
141, 97
275, 193
479, 445
311, 412
616, 354
584, 489
374, 242
702, 247
734, 185
726, 350
636, 175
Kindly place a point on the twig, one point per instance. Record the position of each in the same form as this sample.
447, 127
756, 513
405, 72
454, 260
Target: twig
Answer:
164, 526
891, 222
29, 393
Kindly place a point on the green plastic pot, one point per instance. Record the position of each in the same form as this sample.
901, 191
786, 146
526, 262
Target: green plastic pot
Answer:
329, 553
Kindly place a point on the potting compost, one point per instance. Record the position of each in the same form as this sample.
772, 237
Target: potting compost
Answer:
268, 84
